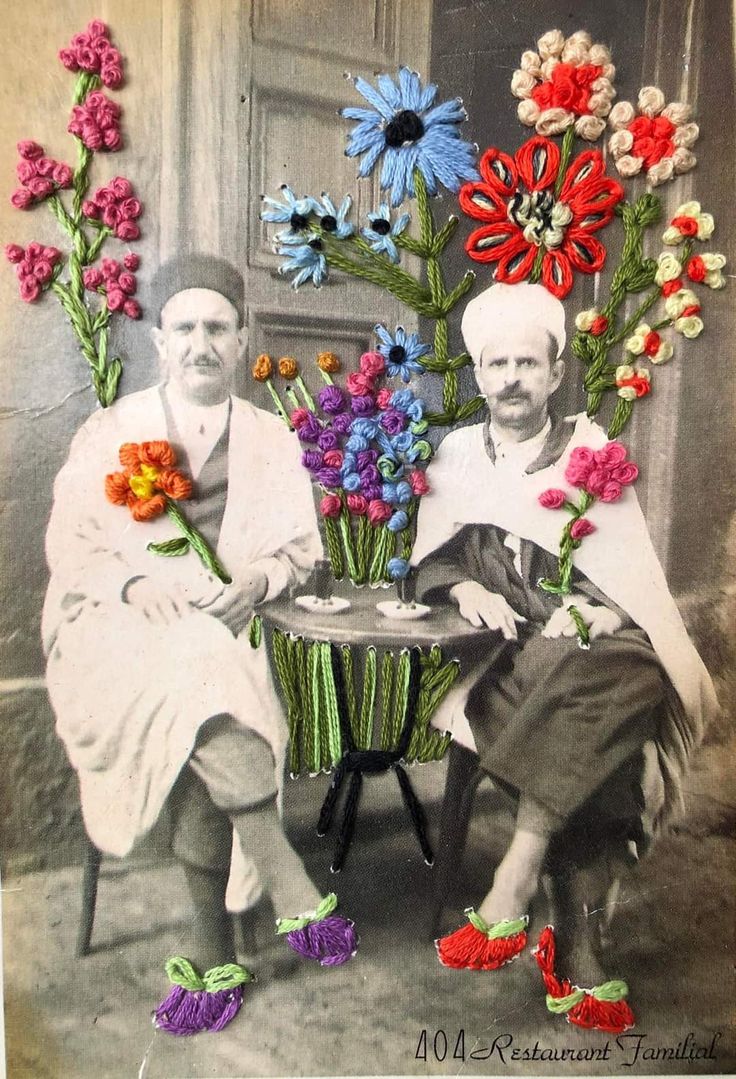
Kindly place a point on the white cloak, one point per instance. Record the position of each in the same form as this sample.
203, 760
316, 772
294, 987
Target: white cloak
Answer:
618, 558
129, 696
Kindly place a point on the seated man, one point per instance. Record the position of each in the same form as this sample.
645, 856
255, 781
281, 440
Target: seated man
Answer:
150, 671
576, 736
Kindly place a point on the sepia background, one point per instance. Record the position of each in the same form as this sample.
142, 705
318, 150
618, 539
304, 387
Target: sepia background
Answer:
225, 101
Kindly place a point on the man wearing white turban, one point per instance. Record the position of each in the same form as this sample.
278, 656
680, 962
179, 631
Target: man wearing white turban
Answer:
578, 737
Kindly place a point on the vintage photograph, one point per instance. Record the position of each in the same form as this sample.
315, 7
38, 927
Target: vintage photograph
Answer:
368, 679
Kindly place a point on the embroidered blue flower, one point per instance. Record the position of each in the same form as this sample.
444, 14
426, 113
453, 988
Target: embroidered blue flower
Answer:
398, 522
380, 235
333, 220
405, 128
403, 442
401, 352
364, 428
398, 568
292, 210
305, 260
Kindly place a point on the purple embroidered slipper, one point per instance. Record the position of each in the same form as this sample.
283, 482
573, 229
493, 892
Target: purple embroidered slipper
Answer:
321, 934
197, 1003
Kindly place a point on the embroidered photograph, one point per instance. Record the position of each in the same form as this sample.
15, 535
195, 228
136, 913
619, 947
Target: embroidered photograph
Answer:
369, 682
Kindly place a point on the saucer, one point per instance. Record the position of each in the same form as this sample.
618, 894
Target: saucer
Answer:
402, 612
333, 605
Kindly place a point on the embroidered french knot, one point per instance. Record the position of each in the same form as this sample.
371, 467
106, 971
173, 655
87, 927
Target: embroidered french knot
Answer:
480, 946
200, 1003
321, 934
602, 1008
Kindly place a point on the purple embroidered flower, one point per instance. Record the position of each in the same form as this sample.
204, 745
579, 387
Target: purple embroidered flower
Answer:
331, 399
370, 474
342, 422
372, 491
393, 421
329, 477
328, 440
312, 460
363, 406
366, 457
310, 430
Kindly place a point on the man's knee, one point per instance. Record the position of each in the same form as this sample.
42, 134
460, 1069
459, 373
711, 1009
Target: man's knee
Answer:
235, 764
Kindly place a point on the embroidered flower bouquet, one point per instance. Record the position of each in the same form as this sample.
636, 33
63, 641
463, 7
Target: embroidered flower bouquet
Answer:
541, 211
88, 221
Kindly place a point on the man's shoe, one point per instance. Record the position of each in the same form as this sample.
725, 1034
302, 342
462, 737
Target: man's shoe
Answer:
479, 946
321, 934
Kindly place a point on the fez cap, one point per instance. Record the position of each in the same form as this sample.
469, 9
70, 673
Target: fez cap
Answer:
503, 309
198, 271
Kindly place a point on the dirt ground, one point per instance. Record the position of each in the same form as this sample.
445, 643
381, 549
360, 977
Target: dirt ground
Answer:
91, 1017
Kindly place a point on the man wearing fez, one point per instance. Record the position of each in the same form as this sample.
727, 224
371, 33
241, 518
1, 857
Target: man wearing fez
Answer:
159, 696
591, 744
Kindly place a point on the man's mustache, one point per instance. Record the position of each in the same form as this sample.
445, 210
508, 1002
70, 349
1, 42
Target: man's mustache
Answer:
512, 393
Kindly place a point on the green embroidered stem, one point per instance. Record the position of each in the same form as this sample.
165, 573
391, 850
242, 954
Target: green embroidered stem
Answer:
568, 141
318, 740
324, 909
58, 209
329, 696
292, 397
93, 249
334, 548
387, 681
181, 972
401, 285
363, 548
326, 377
350, 695
308, 399
562, 586
305, 699
287, 672
580, 625
197, 542
385, 541
401, 694
281, 411
621, 416
348, 545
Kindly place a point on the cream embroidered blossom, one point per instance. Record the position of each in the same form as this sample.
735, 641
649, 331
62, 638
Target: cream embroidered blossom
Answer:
658, 139
706, 268
669, 268
689, 222
568, 81
683, 308
646, 341
632, 382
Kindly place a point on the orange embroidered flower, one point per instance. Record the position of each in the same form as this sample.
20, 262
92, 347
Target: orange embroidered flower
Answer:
148, 480
288, 368
328, 362
262, 368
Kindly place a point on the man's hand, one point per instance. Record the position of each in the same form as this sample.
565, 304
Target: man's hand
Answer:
159, 606
234, 604
601, 622
479, 606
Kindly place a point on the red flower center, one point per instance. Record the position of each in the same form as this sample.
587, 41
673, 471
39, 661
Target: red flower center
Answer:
652, 138
569, 88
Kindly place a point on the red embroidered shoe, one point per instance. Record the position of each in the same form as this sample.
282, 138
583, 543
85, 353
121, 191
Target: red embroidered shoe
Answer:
602, 1008
479, 946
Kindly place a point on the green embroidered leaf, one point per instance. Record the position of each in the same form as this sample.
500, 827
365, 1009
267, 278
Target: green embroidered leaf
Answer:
172, 548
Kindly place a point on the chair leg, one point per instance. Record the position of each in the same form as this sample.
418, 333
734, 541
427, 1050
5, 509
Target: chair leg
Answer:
92, 860
463, 777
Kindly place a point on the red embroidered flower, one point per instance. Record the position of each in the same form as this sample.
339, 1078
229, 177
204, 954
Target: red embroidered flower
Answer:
148, 480
658, 140
523, 215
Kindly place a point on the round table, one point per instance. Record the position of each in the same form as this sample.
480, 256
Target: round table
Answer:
330, 675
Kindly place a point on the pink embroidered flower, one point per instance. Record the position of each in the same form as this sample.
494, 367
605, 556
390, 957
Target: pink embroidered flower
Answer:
91, 51
132, 309
92, 278
116, 206
359, 384
580, 465
383, 398
567, 82
333, 458
298, 417
30, 150
611, 455
657, 140
330, 506
40, 176
553, 499
131, 261
379, 511
358, 505
97, 122
418, 483
116, 284
35, 267
581, 528
372, 364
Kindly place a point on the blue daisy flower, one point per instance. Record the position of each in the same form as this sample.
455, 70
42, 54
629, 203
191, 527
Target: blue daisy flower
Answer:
304, 259
333, 220
292, 210
410, 132
401, 352
380, 235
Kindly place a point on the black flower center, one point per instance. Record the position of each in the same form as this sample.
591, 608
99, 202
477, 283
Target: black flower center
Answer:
382, 226
298, 221
406, 126
329, 223
397, 355
316, 244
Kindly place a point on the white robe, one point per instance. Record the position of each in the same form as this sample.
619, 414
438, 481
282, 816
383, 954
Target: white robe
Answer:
129, 697
466, 488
